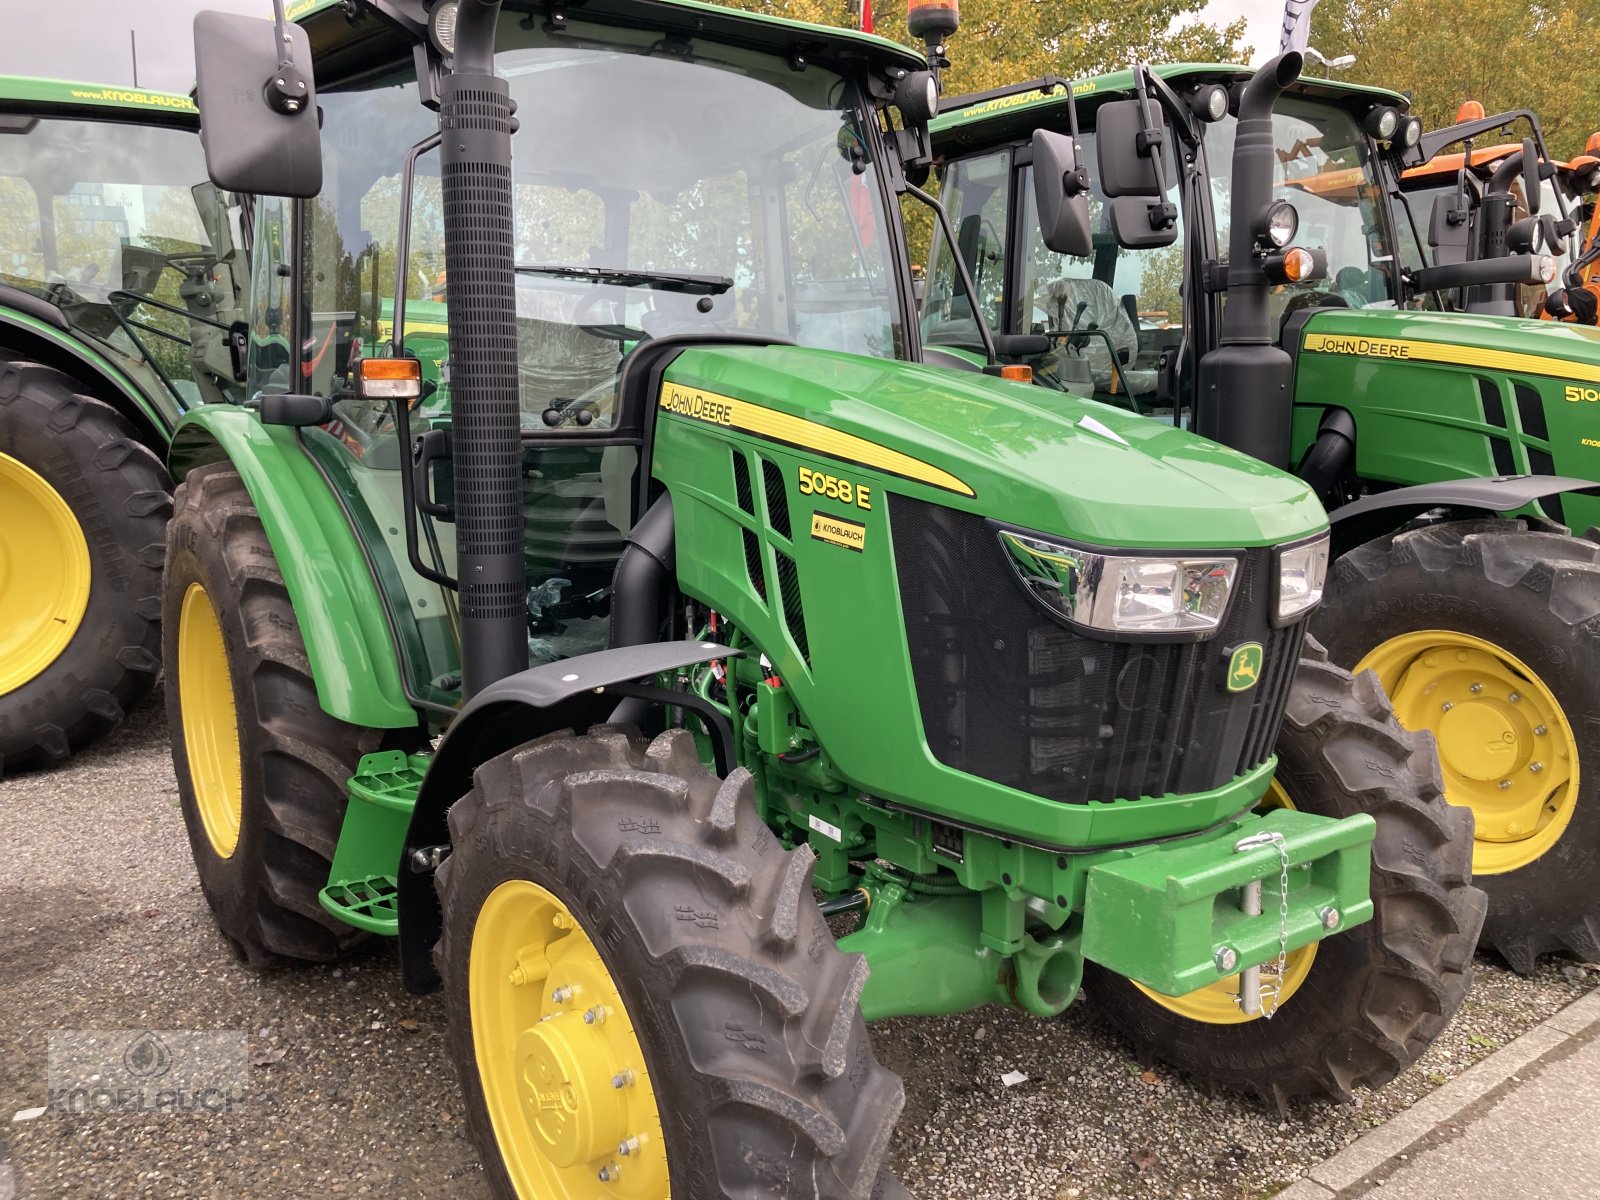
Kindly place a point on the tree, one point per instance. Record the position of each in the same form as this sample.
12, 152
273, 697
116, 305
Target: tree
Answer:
1003, 41
1504, 53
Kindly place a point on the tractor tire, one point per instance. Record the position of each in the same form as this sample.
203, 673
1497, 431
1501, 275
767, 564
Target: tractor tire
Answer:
751, 1073
1369, 1000
1511, 611
84, 505
261, 768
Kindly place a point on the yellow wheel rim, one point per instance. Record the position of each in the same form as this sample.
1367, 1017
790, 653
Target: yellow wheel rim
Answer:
1505, 744
1217, 1003
210, 722
563, 1074
44, 574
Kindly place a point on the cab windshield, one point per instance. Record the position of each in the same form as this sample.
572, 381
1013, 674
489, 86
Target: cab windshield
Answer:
1110, 316
115, 227
1325, 169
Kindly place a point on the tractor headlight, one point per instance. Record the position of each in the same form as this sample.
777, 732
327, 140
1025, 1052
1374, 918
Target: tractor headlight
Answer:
1302, 574
1123, 593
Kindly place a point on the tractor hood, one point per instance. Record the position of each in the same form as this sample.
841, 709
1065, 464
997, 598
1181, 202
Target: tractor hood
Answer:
1013, 451
1516, 344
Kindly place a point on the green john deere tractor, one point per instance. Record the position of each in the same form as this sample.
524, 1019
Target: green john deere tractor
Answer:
1451, 448
682, 592
117, 272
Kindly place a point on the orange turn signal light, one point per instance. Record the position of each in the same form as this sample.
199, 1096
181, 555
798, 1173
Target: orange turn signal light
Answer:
1298, 264
1020, 372
1593, 144
1470, 110
391, 378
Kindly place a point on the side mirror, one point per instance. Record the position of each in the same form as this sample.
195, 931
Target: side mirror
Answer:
1532, 187
1058, 191
256, 140
1448, 228
1127, 166
1140, 223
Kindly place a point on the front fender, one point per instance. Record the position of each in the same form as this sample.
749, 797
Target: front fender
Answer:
572, 693
1383, 512
341, 614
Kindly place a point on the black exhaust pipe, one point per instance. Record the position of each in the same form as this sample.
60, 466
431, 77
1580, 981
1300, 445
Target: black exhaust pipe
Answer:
1495, 214
475, 127
1244, 382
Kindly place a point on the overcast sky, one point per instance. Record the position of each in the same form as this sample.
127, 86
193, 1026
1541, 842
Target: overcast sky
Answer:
88, 39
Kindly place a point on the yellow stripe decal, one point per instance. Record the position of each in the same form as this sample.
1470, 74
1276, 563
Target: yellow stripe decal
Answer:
750, 418
1458, 356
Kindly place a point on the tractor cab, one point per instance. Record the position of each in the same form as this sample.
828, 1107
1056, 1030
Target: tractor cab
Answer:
117, 240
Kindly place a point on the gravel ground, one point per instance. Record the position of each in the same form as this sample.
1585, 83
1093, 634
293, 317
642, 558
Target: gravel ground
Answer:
351, 1092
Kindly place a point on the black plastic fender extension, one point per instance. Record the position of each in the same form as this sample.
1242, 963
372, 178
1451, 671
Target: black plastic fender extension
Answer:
574, 692
1383, 512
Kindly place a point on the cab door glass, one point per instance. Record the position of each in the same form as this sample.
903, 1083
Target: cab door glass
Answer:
1111, 317
977, 194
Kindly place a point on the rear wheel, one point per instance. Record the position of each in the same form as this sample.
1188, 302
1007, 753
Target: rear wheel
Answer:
1483, 633
82, 507
1357, 1008
644, 999
261, 768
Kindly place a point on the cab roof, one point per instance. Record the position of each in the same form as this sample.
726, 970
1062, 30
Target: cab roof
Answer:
990, 121
346, 47
64, 97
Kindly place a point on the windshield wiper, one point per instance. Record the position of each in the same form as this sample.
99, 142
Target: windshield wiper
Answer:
672, 281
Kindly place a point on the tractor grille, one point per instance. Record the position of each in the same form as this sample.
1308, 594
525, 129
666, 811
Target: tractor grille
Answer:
1010, 695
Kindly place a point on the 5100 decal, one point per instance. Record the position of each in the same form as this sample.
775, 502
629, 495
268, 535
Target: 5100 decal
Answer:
1576, 393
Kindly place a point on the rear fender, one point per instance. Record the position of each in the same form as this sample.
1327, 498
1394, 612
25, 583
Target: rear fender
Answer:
1383, 512
341, 614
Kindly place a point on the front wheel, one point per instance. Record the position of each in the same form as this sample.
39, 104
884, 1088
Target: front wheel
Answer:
642, 993
1357, 1008
1484, 634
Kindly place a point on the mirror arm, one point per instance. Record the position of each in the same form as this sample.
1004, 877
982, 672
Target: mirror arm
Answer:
1187, 124
967, 285
402, 260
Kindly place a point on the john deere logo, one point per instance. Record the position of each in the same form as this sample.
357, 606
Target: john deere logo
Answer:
1244, 667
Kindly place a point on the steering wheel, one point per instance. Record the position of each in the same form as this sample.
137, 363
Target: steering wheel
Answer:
610, 330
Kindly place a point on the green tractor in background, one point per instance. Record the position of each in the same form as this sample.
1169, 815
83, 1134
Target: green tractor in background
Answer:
683, 592
119, 280
1452, 449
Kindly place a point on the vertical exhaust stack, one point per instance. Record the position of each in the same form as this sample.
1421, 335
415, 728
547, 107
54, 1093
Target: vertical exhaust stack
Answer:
475, 127
1244, 382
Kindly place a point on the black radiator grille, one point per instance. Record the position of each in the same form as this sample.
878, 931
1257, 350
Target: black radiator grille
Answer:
1010, 695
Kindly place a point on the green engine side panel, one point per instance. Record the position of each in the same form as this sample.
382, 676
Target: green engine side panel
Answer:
119, 389
1440, 396
1022, 455
341, 614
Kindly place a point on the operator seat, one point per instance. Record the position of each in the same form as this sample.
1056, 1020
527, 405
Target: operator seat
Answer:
1087, 304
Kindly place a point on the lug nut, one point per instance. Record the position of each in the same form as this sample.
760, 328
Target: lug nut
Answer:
595, 1015
562, 994
1539, 730
561, 921
1515, 698
628, 1146
622, 1078
1477, 687
1513, 829
1536, 767
1329, 916
1227, 959
610, 1173
1505, 785
1447, 706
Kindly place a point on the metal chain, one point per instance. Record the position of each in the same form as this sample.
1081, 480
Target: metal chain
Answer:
1283, 923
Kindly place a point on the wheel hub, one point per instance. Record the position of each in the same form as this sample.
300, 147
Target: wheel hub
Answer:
1506, 748
566, 1090
44, 574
